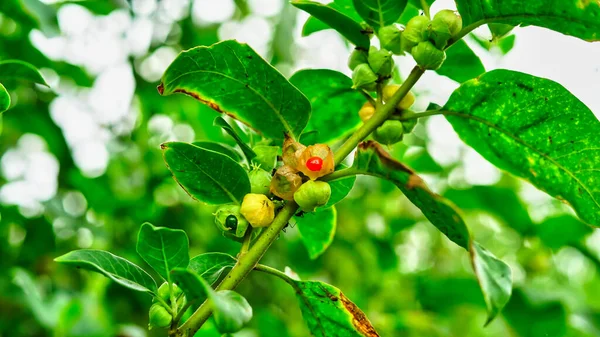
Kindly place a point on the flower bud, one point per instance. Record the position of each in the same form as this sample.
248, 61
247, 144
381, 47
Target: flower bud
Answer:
439, 33
356, 58
312, 194
291, 151
428, 56
316, 161
415, 32
451, 19
285, 182
163, 291
266, 156
381, 61
229, 219
260, 180
389, 133
364, 77
405, 103
390, 38
366, 112
158, 317
258, 210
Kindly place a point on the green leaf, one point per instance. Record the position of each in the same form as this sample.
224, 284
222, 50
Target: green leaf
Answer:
20, 70
219, 121
317, 230
344, 24
495, 279
570, 17
346, 7
206, 175
232, 78
4, 99
220, 148
210, 266
266, 156
329, 313
563, 230
372, 160
339, 190
335, 104
231, 310
534, 319
163, 248
536, 129
461, 63
114, 267
380, 13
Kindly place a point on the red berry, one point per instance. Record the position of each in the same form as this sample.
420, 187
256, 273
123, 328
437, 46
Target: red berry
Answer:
314, 164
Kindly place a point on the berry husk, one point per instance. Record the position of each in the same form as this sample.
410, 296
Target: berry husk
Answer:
439, 33
405, 103
381, 61
451, 19
415, 32
364, 77
390, 38
258, 210
163, 291
312, 194
389, 133
357, 57
291, 152
158, 316
318, 150
229, 219
260, 181
285, 182
428, 56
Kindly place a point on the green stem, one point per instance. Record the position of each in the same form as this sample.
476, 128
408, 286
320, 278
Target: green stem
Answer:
418, 115
343, 173
368, 96
246, 242
425, 6
381, 115
277, 273
243, 267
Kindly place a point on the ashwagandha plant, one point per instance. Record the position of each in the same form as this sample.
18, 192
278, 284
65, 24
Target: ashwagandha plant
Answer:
529, 126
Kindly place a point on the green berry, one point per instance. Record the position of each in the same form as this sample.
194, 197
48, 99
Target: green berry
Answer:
229, 219
390, 132
266, 156
428, 56
158, 317
363, 77
451, 19
415, 32
381, 61
390, 38
312, 194
260, 180
356, 58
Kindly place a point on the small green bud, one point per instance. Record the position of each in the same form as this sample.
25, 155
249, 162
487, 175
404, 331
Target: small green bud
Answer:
363, 77
415, 32
428, 56
439, 33
451, 19
357, 57
228, 218
158, 317
390, 38
390, 132
312, 194
381, 61
163, 291
266, 156
260, 180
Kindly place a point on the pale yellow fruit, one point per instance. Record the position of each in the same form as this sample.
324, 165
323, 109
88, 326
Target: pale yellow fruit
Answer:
258, 210
405, 103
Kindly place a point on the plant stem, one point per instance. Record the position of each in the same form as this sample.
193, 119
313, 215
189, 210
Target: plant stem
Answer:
243, 267
246, 242
343, 173
381, 115
275, 272
368, 97
425, 6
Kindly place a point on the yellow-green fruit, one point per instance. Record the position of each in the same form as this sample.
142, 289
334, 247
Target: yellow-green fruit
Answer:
415, 32
260, 180
366, 112
229, 219
390, 38
163, 291
389, 133
356, 58
258, 210
363, 77
439, 33
312, 194
405, 103
452, 19
428, 56
158, 316
381, 61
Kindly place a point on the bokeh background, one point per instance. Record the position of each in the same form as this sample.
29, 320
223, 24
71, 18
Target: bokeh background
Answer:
81, 167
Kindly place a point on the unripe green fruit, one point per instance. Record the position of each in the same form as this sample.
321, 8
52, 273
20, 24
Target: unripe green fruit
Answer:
451, 19
428, 56
266, 156
415, 32
228, 218
390, 38
381, 61
356, 58
312, 194
390, 132
163, 291
260, 180
158, 317
363, 77
439, 33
